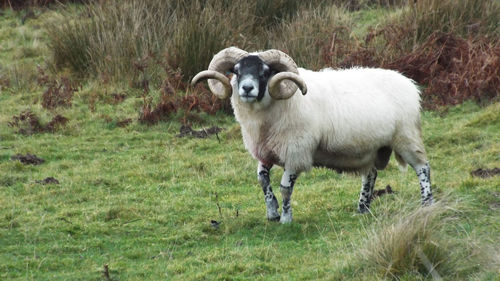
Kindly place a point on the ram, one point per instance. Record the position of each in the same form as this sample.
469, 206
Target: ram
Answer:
350, 120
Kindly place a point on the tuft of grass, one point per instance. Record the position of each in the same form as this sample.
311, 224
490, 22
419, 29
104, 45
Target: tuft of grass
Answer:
105, 39
462, 17
197, 38
413, 243
315, 37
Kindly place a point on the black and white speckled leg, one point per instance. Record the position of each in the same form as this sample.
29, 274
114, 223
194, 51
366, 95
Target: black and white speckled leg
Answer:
271, 201
286, 187
365, 196
424, 176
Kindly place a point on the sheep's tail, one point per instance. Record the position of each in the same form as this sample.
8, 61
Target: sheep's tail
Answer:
402, 163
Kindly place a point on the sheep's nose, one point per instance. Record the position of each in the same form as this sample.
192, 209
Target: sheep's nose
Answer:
247, 88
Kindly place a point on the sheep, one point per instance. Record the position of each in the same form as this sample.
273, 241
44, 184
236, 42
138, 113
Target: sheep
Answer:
350, 120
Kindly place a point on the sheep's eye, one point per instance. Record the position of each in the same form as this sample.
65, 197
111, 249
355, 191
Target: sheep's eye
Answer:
236, 69
264, 72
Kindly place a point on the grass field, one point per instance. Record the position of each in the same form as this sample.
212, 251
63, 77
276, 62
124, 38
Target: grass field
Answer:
140, 200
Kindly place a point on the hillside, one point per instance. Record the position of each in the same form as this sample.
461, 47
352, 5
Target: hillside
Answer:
131, 200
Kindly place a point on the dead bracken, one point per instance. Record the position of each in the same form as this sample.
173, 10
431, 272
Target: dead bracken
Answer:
28, 159
58, 93
453, 68
28, 123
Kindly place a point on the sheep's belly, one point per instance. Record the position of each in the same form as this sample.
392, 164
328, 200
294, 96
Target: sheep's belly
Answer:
342, 162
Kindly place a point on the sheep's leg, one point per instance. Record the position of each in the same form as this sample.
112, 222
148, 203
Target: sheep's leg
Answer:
286, 187
414, 154
424, 176
365, 196
271, 202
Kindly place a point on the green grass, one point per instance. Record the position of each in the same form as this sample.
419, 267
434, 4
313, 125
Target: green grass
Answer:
140, 200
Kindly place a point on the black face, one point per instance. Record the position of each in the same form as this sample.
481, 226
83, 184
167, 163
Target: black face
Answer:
252, 75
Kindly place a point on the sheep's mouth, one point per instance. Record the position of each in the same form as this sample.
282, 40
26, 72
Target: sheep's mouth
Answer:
248, 98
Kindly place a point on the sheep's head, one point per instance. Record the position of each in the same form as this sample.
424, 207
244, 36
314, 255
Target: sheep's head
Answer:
272, 70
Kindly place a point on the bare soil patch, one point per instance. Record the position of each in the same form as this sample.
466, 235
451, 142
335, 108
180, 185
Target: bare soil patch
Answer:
186, 130
485, 173
49, 180
28, 159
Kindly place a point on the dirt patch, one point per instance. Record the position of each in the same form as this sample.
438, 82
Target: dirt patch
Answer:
186, 130
485, 173
49, 180
28, 159
380, 192
124, 122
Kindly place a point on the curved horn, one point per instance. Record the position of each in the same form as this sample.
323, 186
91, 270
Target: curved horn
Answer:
221, 63
224, 89
284, 84
282, 91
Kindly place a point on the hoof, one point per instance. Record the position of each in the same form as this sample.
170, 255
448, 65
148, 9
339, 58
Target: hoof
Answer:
428, 202
363, 209
286, 219
273, 215
276, 219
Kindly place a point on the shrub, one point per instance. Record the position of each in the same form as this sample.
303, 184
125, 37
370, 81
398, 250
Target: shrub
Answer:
452, 48
454, 69
107, 38
69, 43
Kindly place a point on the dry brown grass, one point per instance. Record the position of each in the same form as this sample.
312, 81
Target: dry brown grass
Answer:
415, 243
450, 47
28, 123
454, 69
316, 37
